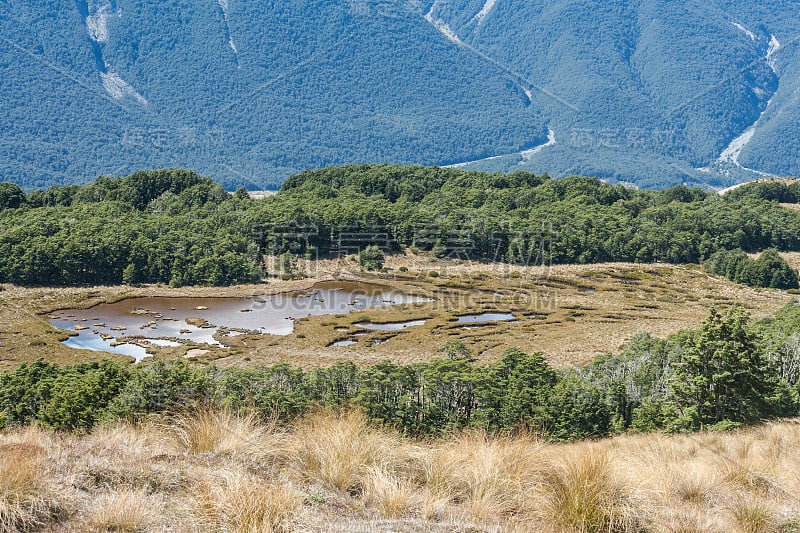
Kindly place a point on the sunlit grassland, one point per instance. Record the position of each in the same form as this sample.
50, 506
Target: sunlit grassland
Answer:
331, 471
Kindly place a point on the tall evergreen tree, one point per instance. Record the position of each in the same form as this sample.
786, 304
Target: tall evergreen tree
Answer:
723, 375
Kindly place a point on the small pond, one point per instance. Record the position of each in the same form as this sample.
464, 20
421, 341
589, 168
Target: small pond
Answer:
344, 342
389, 326
485, 317
163, 321
98, 344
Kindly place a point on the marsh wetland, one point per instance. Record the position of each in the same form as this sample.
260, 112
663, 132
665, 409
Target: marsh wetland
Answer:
570, 313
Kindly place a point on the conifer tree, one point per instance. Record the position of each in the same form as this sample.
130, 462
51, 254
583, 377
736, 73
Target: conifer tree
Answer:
723, 375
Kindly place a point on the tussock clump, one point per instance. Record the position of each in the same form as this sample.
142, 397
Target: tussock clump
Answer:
339, 449
580, 493
492, 477
693, 521
393, 495
753, 516
122, 457
223, 432
693, 487
21, 468
740, 475
126, 511
140, 439
26, 501
240, 503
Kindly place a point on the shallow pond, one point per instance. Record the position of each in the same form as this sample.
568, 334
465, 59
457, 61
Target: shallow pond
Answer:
168, 321
96, 343
389, 326
485, 317
344, 342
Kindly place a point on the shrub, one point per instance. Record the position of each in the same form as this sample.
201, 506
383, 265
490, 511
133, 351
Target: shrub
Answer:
371, 258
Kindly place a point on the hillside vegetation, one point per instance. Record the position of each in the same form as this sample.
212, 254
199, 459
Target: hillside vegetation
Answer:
646, 92
175, 227
284, 86
649, 92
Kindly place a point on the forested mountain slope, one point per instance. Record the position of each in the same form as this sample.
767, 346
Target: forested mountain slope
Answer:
650, 91
655, 93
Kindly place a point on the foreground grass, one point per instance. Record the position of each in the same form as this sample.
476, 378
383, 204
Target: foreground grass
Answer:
213, 471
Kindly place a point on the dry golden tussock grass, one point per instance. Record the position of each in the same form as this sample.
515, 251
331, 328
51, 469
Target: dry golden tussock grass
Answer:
222, 432
124, 511
392, 495
492, 476
332, 471
339, 450
241, 503
753, 515
26, 500
580, 492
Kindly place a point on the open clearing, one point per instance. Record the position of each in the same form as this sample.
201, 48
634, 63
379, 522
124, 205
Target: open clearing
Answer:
571, 313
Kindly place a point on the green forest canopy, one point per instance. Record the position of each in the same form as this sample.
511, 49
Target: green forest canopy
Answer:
173, 226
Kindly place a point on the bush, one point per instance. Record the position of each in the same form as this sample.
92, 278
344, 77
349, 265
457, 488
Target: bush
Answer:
11, 196
371, 258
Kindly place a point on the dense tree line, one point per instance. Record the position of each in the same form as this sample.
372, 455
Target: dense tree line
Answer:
169, 226
784, 191
173, 226
524, 217
725, 374
769, 270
